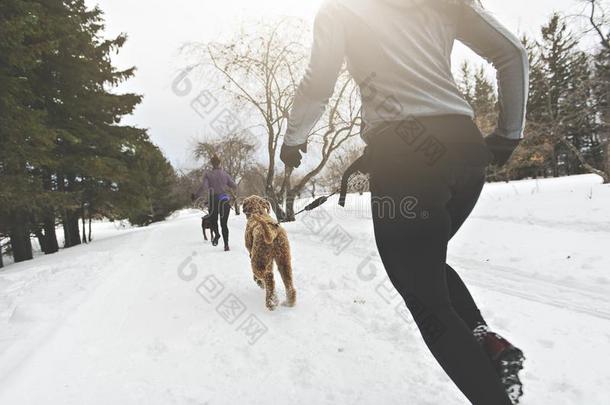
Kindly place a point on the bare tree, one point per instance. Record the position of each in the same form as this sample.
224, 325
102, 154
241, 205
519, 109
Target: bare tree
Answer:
340, 124
599, 21
1, 250
538, 148
236, 152
253, 182
261, 67
595, 13
331, 177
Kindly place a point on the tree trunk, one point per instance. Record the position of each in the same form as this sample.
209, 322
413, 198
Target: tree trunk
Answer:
48, 224
276, 205
577, 153
41, 240
555, 162
84, 223
74, 227
1, 261
90, 239
236, 204
20, 240
607, 178
290, 197
71, 231
50, 234
67, 233
70, 217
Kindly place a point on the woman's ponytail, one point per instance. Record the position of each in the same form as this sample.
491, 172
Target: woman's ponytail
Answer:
215, 160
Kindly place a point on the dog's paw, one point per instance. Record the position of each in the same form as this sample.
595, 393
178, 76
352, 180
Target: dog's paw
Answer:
291, 299
259, 283
272, 303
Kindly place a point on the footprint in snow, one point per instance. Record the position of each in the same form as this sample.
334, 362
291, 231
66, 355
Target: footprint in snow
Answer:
547, 344
157, 348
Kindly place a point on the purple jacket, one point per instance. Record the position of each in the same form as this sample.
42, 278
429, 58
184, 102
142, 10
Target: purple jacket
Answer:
215, 181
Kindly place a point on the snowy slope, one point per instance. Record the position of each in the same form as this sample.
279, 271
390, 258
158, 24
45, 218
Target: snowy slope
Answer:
157, 316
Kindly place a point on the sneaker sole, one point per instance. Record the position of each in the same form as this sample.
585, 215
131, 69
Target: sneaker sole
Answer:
510, 364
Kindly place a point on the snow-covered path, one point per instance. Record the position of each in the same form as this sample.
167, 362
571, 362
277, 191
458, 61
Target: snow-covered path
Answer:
157, 316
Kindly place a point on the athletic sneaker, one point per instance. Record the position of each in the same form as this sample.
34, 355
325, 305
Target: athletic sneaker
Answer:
507, 359
227, 248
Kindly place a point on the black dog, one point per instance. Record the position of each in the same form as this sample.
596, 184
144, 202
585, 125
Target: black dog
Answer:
206, 223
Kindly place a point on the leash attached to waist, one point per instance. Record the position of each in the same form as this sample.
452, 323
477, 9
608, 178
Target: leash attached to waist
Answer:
359, 165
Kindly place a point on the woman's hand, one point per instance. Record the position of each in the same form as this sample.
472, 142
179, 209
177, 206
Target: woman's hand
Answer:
501, 148
291, 155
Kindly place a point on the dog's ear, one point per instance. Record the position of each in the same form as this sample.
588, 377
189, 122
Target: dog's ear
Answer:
245, 206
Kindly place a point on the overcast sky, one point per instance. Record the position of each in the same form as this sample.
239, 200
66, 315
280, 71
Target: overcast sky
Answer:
156, 29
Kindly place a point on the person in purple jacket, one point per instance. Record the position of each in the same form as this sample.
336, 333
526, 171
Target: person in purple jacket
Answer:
216, 183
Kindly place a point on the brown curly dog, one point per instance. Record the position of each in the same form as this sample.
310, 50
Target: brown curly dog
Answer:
267, 242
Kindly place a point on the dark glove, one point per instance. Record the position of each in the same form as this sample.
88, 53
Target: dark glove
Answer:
501, 148
291, 155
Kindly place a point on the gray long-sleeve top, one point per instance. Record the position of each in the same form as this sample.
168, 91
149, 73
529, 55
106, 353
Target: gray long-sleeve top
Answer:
399, 53
216, 181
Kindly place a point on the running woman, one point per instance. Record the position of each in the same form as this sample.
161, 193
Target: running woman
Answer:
425, 156
216, 184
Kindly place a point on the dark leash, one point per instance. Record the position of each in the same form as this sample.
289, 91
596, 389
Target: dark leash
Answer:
316, 203
360, 165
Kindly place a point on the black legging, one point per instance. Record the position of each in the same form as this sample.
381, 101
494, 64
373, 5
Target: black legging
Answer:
222, 209
426, 177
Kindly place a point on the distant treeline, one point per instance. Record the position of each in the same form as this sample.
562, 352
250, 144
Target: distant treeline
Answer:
64, 156
568, 117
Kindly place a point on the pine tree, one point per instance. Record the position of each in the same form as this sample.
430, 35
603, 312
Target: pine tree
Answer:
581, 125
559, 112
485, 102
90, 145
25, 142
465, 82
602, 95
63, 153
149, 193
480, 93
601, 91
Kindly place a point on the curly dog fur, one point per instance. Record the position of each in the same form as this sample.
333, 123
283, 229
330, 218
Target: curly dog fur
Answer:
267, 242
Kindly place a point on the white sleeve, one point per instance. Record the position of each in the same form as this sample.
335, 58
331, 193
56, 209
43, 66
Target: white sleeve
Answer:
486, 36
318, 83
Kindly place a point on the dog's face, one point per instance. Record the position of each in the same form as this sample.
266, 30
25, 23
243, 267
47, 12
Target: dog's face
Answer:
256, 205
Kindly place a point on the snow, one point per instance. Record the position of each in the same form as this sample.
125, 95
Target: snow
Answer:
140, 315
